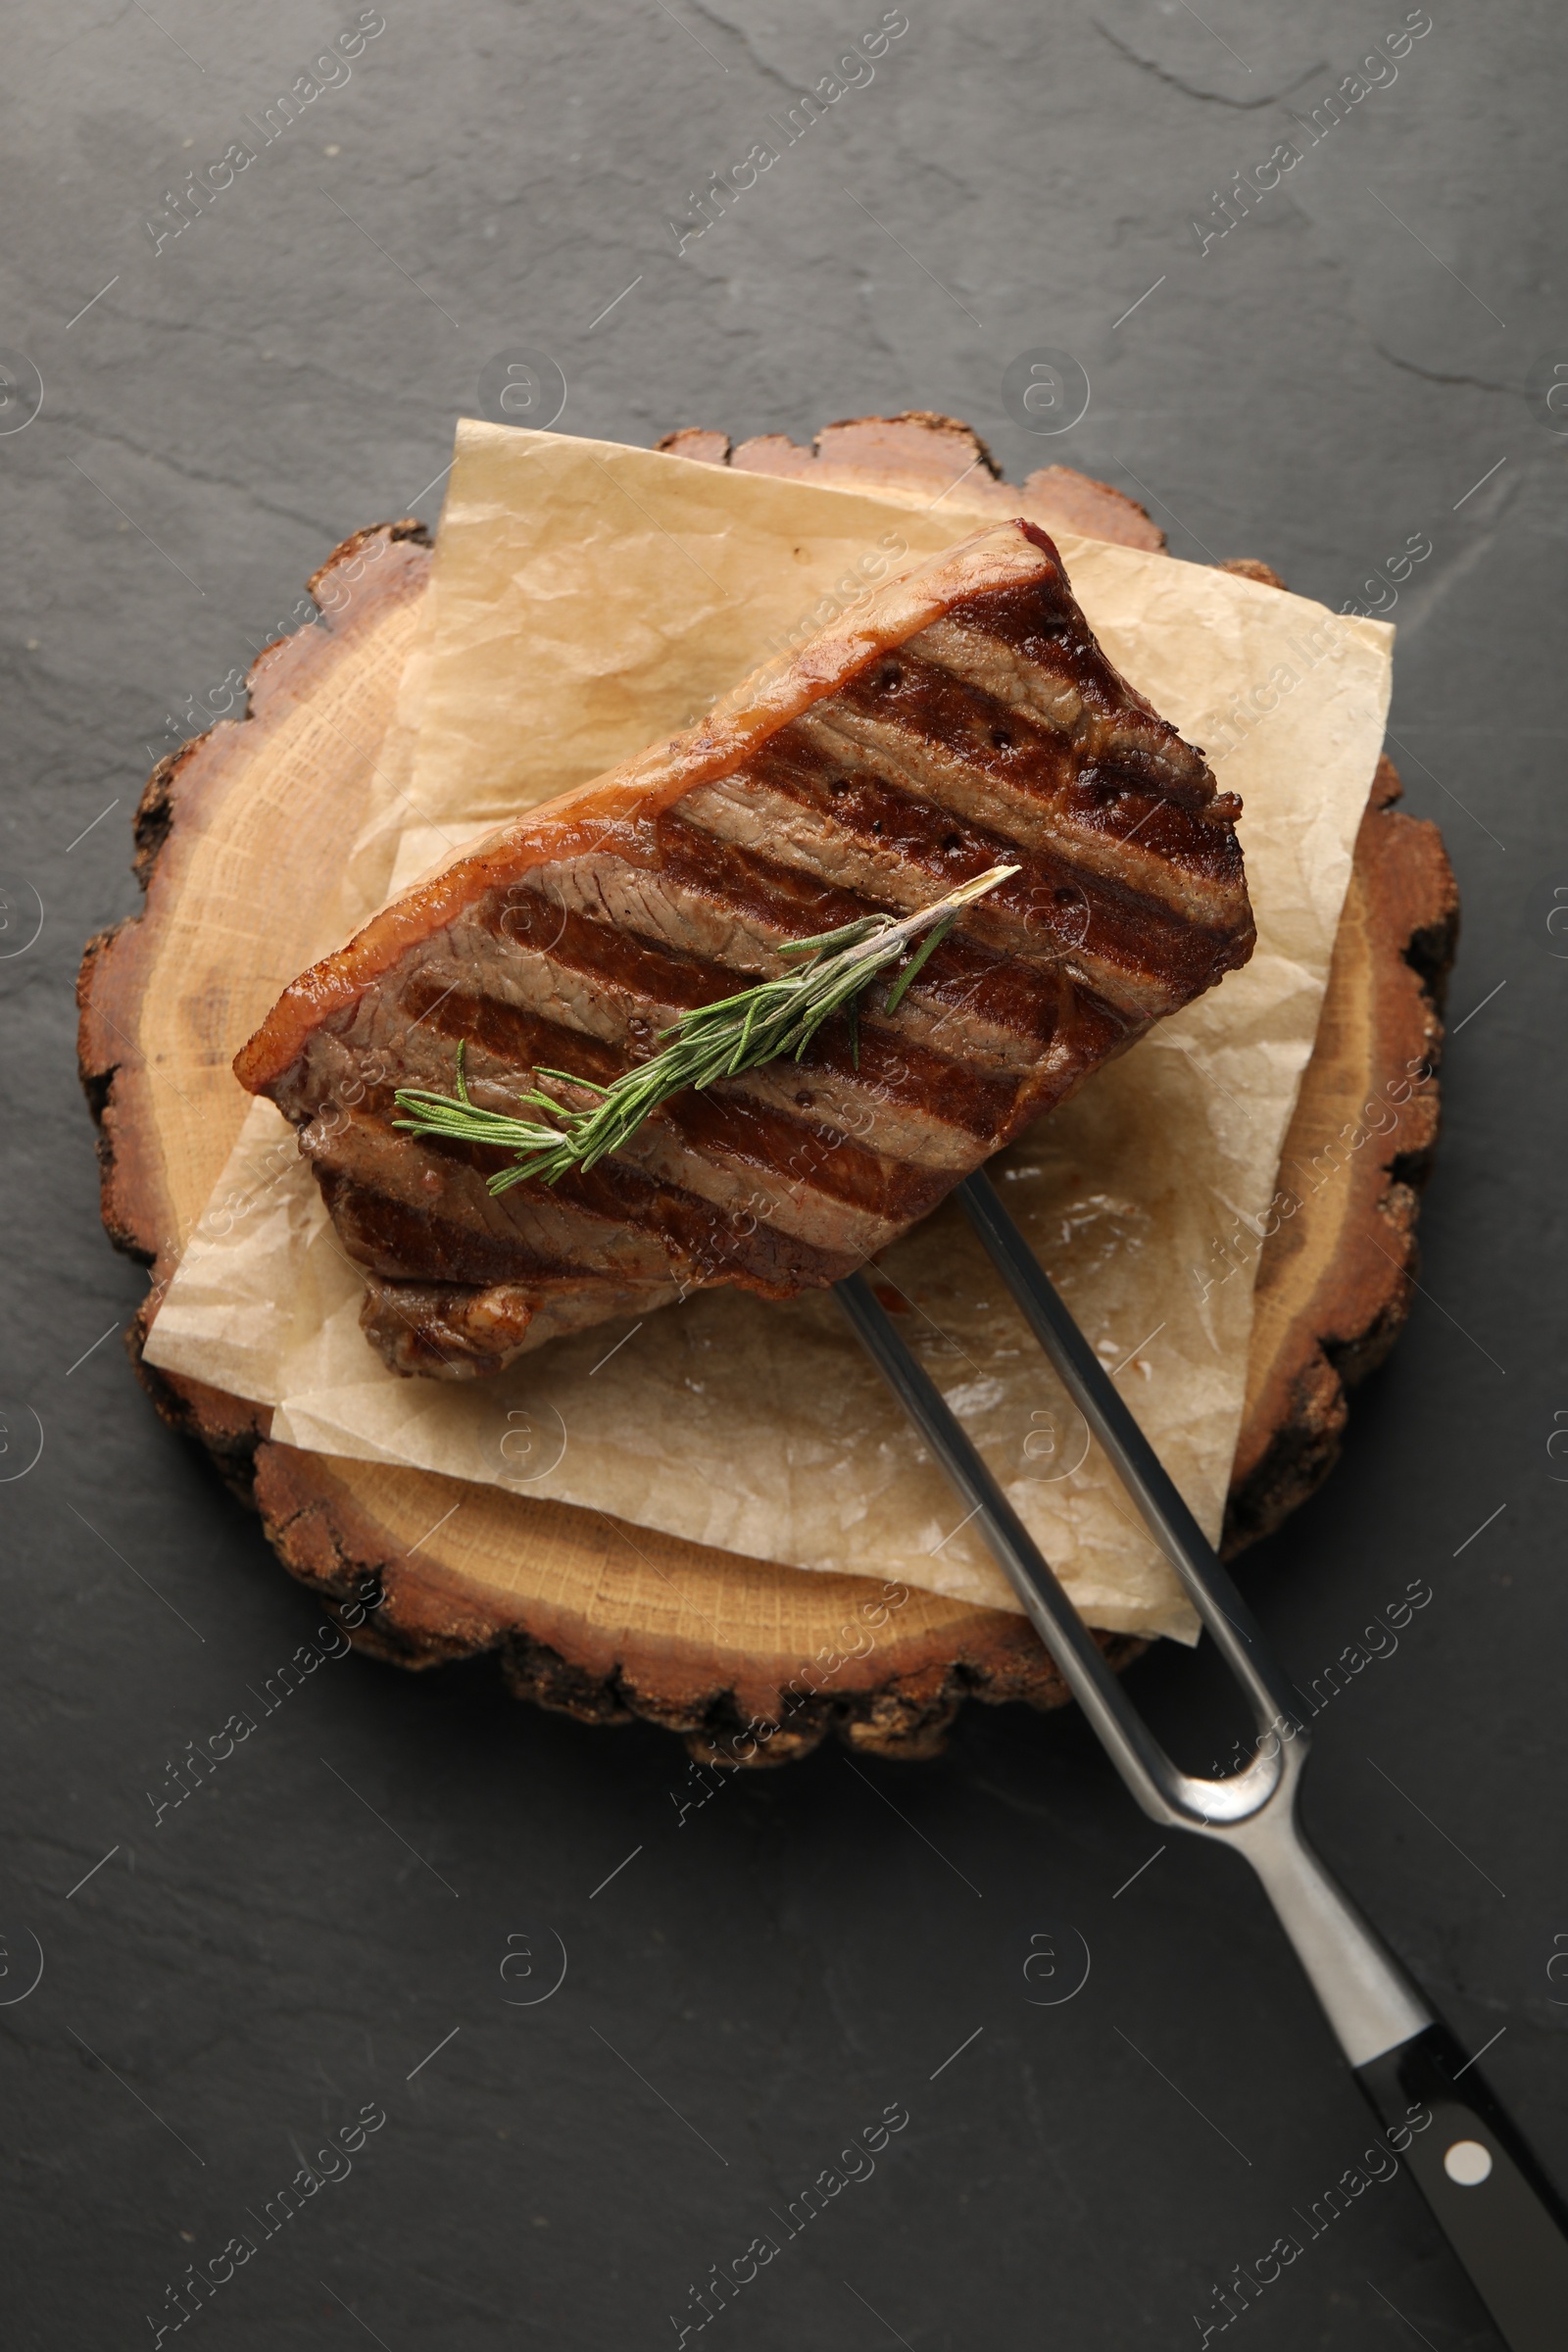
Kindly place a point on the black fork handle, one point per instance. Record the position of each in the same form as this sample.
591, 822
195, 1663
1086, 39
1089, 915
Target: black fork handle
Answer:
1492, 2199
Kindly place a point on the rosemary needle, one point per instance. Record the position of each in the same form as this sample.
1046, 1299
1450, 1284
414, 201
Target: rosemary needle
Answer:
775, 1019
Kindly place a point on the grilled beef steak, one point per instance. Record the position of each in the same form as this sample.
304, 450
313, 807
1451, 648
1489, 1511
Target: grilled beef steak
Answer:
965, 719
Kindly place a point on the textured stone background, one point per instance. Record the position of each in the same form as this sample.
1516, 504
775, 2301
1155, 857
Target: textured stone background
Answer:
1329, 379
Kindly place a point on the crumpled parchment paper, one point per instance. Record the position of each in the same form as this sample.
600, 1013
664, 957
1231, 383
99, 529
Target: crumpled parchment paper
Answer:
586, 598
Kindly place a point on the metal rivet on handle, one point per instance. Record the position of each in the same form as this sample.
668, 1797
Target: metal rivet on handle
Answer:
1467, 2162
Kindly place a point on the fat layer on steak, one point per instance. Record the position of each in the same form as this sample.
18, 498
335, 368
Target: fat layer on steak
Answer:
965, 719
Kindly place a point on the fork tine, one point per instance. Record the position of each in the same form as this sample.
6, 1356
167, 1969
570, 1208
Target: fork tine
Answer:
1149, 1486
1164, 1793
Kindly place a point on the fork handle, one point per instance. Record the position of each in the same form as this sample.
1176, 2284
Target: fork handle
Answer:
1490, 2197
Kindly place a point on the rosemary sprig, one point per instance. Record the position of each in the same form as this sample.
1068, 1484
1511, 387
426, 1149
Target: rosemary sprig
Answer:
766, 1023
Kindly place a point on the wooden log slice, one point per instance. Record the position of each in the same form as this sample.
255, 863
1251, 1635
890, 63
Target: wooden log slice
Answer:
239, 838
923, 460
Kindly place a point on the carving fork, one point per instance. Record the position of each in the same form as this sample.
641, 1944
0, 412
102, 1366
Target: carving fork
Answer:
1490, 2197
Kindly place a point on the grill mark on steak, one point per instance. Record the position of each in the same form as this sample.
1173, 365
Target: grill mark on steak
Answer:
513, 1035
1022, 652
910, 1099
817, 1158
617, 986
1103, 826
622, 1219
971, 720
840, 1152
395, 1206
735, 904
748, 894
884, 843
1081, 782
671, 978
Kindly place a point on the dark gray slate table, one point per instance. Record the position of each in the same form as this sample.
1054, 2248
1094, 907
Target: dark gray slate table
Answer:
1362, 359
